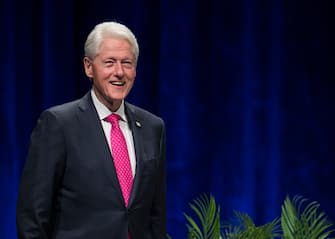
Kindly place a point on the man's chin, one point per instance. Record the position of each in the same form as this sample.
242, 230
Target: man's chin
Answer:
117, 99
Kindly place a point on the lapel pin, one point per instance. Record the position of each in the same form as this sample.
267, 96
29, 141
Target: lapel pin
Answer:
138, 124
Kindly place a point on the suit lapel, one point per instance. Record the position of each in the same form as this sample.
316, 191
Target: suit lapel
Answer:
135, 125
89, 120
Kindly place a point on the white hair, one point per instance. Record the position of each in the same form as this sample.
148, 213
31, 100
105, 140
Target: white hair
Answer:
109, 30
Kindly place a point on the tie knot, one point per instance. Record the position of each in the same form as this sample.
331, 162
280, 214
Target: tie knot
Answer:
113, 119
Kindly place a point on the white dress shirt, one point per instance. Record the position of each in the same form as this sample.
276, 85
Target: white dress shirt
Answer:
103, 112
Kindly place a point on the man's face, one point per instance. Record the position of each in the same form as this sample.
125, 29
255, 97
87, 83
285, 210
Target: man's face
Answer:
112, 71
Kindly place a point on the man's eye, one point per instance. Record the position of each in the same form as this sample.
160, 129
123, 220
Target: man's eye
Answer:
127, 63
109, 62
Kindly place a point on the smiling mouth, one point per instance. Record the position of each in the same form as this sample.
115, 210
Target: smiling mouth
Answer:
118, 83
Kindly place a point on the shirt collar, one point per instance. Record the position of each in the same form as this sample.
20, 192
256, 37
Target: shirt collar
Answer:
103, 111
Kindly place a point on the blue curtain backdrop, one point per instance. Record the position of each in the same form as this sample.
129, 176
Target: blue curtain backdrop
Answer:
246, 88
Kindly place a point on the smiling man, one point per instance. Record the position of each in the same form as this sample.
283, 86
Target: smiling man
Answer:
96, 166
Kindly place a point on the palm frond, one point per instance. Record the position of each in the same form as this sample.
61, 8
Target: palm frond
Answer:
247, 229
301, 221
208, 218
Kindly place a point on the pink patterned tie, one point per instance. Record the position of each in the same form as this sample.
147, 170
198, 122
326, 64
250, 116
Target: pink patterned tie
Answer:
120, 157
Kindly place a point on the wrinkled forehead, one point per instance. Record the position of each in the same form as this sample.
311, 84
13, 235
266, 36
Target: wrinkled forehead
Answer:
120, 47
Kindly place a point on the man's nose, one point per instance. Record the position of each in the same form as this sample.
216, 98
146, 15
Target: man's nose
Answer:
118, 69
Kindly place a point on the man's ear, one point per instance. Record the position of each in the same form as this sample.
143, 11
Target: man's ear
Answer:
88, 67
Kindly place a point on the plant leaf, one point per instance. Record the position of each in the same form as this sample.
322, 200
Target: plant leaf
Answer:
208, 215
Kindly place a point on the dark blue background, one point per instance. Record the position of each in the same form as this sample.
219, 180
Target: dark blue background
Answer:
246, 89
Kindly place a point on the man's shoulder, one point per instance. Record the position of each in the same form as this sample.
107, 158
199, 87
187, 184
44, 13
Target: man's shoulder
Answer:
69, 108
65, 107
143, 114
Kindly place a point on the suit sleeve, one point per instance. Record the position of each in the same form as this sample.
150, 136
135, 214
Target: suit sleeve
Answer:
158, 213
40, 179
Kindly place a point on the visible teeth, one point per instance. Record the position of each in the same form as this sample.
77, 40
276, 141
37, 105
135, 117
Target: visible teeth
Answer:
118, 83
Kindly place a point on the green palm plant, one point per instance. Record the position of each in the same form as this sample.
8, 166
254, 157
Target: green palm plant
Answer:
297, 221
307, 223
247, 229
208, 214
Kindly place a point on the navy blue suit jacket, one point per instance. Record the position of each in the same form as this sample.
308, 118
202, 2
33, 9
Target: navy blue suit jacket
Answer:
69, 188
